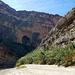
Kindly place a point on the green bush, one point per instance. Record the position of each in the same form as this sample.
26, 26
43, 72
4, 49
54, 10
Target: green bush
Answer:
60, 56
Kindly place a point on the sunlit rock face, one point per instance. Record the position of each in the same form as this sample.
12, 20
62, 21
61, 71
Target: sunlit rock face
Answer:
62, 34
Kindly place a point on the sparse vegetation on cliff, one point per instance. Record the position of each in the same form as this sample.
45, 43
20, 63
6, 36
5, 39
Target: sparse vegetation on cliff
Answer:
59, 56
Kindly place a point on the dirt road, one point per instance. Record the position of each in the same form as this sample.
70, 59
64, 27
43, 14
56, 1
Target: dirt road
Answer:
39, 70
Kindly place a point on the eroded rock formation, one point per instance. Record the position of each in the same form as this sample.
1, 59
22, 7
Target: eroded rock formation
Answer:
35, 22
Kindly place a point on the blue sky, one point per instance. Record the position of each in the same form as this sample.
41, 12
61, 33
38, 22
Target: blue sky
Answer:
60, 7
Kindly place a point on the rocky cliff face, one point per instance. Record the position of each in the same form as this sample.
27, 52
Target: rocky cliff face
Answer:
21, 32
35, 27
62, 34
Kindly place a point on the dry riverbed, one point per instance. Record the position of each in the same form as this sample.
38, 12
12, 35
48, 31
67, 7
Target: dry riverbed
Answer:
39, 70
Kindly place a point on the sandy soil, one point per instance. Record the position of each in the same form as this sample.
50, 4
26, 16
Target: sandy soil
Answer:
39, 70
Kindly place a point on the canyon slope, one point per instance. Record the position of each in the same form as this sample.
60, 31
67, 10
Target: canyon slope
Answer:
62, 34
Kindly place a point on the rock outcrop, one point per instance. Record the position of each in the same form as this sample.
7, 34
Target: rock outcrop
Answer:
62, 34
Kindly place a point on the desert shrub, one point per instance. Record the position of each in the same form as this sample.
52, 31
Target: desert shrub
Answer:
73, 60
41, 58
60, 56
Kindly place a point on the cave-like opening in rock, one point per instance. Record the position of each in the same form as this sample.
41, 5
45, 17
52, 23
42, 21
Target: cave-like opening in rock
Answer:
25, 40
